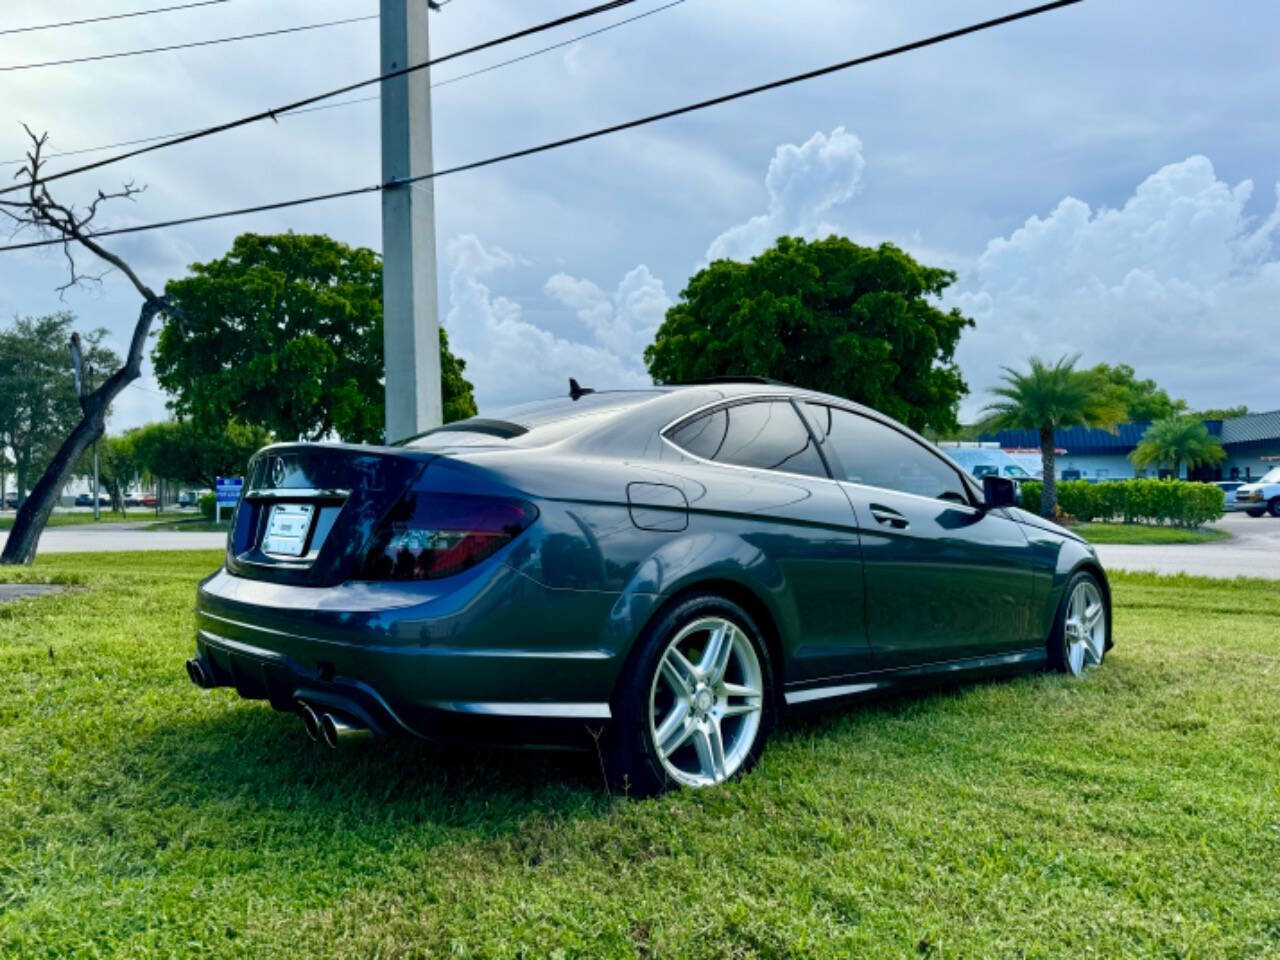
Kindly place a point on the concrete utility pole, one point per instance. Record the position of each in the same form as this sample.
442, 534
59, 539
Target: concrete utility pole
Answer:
411, 332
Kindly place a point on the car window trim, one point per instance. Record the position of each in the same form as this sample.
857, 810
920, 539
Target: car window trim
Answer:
817, 399
945, 461
724, 404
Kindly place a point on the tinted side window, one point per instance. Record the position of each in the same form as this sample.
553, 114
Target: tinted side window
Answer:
879, 456
766, 435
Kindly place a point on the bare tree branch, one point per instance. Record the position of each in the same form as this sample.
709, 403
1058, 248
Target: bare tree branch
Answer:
48, 217
74, 228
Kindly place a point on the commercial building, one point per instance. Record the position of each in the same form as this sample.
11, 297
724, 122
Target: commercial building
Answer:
1251, 442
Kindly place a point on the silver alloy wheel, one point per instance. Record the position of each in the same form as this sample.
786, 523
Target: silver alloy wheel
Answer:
705, 702
1085, 627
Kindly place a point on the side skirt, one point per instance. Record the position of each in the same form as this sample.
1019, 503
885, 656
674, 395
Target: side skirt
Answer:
922, 674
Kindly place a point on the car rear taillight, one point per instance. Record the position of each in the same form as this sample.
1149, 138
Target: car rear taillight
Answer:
431, 535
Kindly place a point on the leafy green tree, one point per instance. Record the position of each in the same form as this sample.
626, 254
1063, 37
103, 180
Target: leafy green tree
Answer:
830, 315
1176, 440
118, 467
285, 333
1142, 399
181, 450
1223, 413
1045, 398
38, 400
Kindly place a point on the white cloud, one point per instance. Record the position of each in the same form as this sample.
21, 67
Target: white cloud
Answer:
805, 184
509, 359
573, 58
1179, 282
623, 322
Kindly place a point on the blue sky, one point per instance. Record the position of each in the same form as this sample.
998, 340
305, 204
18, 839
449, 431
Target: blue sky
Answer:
1103, 179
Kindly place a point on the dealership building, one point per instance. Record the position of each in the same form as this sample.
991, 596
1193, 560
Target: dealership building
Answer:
1251, 442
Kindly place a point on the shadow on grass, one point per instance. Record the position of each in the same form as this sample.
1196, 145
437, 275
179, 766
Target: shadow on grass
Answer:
261, 760
919, 699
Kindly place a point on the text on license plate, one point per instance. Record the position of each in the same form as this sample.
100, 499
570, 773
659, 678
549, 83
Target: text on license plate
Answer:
287, 527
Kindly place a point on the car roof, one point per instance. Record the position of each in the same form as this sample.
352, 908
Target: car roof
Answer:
593, 419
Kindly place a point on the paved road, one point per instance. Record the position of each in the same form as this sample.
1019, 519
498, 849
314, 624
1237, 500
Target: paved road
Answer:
1252, 551
116, 537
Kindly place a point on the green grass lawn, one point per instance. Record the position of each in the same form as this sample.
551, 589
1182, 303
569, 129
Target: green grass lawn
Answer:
1135, 812
76, 519
1145, 533
79, 518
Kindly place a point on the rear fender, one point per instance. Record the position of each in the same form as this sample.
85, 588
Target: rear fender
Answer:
680, 565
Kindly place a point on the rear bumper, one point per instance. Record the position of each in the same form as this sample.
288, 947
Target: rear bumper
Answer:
496, 656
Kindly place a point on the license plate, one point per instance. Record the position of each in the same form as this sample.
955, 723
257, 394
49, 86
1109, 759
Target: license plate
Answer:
287, 527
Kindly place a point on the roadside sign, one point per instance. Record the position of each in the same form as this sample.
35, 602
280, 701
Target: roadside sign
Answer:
228, 492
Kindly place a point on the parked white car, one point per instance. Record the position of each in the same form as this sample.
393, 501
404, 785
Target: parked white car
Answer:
1261, 496
983, 460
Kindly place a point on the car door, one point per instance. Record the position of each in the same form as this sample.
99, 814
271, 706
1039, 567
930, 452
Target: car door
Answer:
759, 481
944, 578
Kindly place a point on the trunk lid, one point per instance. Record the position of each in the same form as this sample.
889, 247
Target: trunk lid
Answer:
308, 510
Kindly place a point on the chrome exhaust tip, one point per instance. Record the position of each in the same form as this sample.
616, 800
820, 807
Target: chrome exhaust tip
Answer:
199, 673
310, 721
334, 731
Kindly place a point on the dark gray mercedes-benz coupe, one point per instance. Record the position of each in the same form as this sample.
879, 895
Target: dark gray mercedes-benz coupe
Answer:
671, 569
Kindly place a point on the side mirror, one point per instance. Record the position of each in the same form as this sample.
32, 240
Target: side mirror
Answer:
998, 492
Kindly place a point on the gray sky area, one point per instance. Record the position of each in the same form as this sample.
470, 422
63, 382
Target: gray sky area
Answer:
1103, 178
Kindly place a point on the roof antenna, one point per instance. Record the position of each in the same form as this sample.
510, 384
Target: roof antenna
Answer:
576, 391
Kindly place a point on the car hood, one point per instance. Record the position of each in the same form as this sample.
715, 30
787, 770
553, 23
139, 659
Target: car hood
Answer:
1035, 520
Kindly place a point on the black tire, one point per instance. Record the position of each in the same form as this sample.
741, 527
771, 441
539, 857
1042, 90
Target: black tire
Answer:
632, 762
1057, 647
1273, 507
1255, 512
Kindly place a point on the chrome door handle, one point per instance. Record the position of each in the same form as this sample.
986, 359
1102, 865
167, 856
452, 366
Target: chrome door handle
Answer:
889, 517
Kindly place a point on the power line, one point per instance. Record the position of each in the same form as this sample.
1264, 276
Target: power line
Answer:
186, 46
557, 46
579, 138
137, 386
113, 16
275, 112
357, 100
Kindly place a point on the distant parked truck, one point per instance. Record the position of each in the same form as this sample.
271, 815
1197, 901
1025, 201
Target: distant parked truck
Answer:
1262, 495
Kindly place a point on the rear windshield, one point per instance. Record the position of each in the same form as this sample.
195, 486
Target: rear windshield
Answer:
534, 424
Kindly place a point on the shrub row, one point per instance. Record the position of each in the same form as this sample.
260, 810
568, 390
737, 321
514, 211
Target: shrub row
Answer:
1134, 501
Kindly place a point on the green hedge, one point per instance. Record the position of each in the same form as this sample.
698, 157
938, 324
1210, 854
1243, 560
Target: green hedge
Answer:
1134, 501
208, 502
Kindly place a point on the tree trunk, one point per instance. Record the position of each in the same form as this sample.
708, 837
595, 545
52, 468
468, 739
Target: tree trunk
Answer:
32, 516
34, 512
1049, 486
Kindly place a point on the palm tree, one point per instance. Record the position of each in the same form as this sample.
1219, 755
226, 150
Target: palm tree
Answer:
1045, 398
1177, 440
